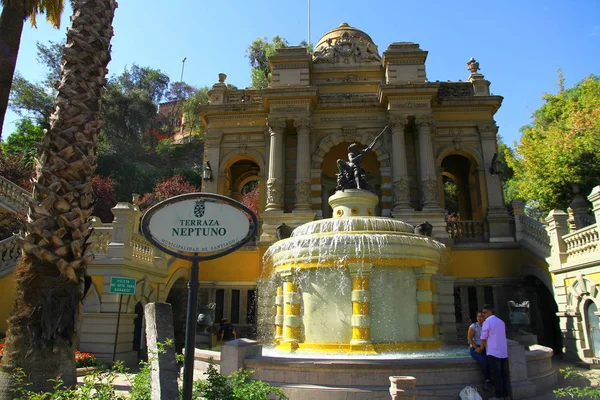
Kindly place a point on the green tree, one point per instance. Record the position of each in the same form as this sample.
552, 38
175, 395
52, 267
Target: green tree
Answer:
12, 19
36, 99
24, 142
559, 149
50, 277
190, 107
259, 52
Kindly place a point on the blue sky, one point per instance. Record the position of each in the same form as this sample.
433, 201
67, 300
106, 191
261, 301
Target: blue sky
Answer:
520, 44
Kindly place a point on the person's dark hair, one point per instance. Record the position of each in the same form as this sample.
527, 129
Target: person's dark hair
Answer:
224, 320
488, 307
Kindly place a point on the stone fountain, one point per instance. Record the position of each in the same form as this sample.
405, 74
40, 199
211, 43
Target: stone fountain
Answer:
355, 283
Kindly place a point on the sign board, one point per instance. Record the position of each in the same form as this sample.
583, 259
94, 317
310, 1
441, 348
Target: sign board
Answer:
203, 224
121, 285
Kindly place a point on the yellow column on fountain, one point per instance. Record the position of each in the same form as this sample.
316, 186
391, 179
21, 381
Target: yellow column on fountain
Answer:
279, 314
361, 307
291, 312
426, 320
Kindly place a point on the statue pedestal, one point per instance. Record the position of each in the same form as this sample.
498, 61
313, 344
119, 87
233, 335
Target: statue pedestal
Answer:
353, 203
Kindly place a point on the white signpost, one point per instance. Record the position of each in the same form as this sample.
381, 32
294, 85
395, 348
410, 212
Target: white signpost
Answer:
196, 227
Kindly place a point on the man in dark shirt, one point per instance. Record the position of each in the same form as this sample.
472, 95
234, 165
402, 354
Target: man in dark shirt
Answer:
226, 331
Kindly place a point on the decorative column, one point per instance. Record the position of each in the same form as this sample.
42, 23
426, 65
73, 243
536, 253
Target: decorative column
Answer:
303, 190
361, 300
425, 317
557, 227
291, 312
276, 165
279, 314
212, 150
400, 188
429, 184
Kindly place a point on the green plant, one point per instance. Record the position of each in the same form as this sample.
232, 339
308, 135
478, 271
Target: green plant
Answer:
84, 360
237, 386
580, 389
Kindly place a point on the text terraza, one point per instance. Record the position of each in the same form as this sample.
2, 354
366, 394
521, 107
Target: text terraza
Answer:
199, 227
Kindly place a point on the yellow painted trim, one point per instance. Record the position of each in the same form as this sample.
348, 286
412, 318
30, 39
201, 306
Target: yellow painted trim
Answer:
288, 347
361, 333
433, 287
435, 308
368, 348
292, 332
424, 284
292, 309
376, 261
279, 310
425, 307
426, 331
278, 331
360, 283
360, 308
279, 291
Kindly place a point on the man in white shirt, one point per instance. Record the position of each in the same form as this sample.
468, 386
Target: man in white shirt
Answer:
493, 340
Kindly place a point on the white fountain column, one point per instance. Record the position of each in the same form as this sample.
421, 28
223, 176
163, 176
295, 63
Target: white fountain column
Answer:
291, 312
429, 183
361, 303
425, 318
303, 189
400, 188
276, 165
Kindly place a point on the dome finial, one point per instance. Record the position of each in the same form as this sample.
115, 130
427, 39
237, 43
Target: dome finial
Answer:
343, 25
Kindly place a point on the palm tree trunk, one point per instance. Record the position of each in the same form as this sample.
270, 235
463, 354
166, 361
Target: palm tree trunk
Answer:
50, 278
12, 20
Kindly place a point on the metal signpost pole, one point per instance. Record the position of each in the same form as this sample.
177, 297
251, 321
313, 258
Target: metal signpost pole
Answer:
117, 330
190, 330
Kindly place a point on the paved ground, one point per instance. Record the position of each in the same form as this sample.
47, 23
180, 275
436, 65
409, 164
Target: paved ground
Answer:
123, 382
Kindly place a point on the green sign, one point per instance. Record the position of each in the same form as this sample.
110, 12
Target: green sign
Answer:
121, 285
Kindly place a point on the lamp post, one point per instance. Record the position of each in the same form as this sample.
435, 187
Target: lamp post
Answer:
182, 67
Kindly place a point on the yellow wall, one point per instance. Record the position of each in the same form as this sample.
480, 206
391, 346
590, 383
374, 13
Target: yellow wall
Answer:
484, 263
7, 288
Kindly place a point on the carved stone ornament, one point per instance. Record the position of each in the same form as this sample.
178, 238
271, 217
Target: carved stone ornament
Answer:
302, 123
276, 124
401, 191
346, 49
303, 192
425, 120
398, 123
274, 191
429, 190
473, 66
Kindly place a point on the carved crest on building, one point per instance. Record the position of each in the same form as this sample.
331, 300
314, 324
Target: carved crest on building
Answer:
346, 49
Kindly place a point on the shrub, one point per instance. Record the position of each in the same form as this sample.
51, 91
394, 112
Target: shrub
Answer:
83, 360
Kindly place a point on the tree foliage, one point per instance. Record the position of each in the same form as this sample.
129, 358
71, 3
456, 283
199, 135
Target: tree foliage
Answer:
104, 198
560, 148
258, 53
170, 187
23, 142
251, 196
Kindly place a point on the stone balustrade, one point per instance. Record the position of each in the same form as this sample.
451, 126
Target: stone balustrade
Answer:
143, 251
581, 242
100, 240
9, 254
466, 229
530, 233
12, 196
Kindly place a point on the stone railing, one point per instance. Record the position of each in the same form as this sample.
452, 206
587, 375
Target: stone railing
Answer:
142, 250
13, 196
101, 239
581, 242
470, 230
531, 234
9, 254
244, 97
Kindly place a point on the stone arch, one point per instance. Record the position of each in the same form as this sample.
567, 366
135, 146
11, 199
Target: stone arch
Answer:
582, 291
144, 293
237, 155
335, 138
180, 273
466, 151
91, 303
538, 273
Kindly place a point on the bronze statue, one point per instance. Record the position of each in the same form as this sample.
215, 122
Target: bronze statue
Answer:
424, 228
351, 175
283, 231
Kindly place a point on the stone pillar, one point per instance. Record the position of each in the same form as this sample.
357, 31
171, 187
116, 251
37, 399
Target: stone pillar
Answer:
361, 299
594, 198
212, 151
403, 387
558, 226
279, 314
123, 228
400, 187
446, 311
429, 183
159, 328
425, 317
303, 189
275, 183
235, 352
497, 215
518, 210
291, 313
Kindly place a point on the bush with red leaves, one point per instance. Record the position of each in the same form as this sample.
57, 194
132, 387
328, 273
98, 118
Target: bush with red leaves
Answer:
14, 168
170, 187
104, 198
